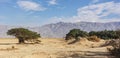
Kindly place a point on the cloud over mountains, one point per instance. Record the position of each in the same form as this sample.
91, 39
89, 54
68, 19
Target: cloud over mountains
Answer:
30, 6
102, 12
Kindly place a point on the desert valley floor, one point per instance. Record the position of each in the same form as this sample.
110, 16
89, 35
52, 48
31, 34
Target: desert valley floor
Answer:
53, 48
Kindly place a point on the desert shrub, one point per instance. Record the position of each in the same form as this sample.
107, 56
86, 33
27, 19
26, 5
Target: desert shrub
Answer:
69, 36
93, 38
116, 48
75, 34
118, 33
106, 34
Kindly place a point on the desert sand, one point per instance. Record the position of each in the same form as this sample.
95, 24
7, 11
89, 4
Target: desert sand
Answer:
53, 48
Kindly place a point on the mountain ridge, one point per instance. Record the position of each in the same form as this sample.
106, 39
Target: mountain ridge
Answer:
60, 29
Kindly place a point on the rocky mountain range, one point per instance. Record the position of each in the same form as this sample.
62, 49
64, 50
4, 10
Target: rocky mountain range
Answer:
60, 29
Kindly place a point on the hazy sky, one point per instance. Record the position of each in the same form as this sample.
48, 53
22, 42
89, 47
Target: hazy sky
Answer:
40, 12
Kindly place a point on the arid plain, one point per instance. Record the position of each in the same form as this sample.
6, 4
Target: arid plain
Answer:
53, 48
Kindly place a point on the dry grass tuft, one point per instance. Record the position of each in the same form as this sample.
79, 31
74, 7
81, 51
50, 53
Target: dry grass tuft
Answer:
94, 39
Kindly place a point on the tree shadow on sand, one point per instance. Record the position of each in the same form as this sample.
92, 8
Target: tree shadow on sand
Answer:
87, 54
17, 43
7, 43
74, 41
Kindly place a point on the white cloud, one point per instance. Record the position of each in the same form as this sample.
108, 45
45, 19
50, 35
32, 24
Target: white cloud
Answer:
52, 2
97, 13
30, 6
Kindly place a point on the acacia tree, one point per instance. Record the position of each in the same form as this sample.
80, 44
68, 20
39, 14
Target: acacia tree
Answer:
23, 34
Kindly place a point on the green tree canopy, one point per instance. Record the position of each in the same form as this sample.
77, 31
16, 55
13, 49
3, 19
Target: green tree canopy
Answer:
106, 34
23, 34
75, 33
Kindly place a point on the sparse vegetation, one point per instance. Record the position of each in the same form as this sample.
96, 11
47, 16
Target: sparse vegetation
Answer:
23, 34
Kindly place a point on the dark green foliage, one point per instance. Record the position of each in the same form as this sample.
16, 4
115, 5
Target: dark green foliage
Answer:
92, 33
82, 34
118, 33
23, 34
106, 34
75, 33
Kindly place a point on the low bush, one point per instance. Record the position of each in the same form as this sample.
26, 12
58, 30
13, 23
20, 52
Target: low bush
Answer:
116, 49
106, 34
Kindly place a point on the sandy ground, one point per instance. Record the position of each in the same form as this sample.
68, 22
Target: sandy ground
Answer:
52, 48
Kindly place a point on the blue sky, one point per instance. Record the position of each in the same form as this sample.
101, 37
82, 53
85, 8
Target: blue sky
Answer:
40, 12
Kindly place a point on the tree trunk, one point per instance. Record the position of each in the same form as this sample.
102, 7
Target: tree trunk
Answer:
21, 40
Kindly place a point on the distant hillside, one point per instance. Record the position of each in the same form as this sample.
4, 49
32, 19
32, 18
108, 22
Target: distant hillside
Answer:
59, 30
3, 30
